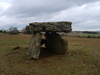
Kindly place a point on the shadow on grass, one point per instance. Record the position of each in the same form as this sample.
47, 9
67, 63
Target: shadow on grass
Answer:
46, 53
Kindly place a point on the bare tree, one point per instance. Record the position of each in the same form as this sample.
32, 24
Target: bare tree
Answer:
13, 30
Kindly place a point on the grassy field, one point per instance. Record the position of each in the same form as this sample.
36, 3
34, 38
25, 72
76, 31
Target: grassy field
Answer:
84, 35
83, 58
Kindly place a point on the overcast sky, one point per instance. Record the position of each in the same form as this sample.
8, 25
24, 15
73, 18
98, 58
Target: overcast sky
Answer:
84, 14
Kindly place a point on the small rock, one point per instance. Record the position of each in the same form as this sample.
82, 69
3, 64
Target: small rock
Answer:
17, 47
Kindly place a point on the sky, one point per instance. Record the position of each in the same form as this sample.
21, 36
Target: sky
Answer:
84, 14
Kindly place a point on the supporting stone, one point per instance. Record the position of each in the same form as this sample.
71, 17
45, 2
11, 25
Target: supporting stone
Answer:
55, 43
34, 45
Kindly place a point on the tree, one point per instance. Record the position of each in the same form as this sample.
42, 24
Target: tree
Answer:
90, 32
13, 30
3, 31
26, 30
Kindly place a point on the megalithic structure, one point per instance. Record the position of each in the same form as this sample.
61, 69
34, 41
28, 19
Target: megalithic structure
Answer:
53, 40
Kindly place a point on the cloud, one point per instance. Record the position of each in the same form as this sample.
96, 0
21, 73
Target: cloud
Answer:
27, 8
82, 13
4, 5
83, 17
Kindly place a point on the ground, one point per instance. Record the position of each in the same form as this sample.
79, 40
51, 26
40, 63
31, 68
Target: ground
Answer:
83, 57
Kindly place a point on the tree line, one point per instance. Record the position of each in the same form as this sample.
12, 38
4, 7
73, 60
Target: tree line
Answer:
26, 30
14, 30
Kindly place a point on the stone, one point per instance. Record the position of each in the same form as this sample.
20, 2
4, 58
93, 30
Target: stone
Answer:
55, 43
35, 45
63, 26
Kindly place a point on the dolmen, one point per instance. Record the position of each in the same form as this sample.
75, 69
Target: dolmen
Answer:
53, 41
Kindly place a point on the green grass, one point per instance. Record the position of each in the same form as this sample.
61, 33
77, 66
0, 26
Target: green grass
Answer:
83, 58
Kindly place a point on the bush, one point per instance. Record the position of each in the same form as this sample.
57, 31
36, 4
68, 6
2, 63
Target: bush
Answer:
3, 31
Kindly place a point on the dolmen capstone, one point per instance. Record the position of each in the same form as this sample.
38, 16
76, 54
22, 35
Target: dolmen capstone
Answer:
53, 41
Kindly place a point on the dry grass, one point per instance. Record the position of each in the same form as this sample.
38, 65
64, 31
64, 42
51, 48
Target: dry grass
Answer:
83, 58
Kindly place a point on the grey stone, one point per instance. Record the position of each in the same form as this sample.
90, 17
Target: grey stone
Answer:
63, 26
55, 43
34, 45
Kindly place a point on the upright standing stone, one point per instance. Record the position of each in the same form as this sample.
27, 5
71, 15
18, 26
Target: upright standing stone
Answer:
34, 45
55, 43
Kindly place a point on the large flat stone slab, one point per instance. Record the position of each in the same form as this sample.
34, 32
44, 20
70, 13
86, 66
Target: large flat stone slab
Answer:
63, 26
